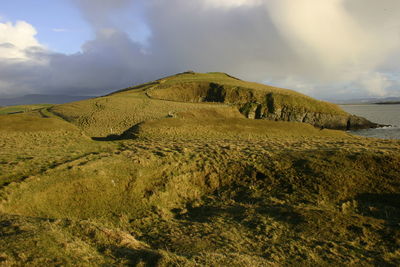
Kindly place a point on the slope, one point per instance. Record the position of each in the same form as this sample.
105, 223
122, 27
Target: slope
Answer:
176, 183
212, 93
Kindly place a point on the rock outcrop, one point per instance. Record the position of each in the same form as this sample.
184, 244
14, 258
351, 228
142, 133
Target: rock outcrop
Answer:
270, 111
256, 103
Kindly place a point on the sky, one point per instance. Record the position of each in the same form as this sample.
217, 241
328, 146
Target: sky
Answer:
331, 49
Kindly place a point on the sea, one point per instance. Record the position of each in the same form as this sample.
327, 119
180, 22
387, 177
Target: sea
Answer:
387, 114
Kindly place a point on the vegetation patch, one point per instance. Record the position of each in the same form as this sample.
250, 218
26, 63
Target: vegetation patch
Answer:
174, 173
22, 108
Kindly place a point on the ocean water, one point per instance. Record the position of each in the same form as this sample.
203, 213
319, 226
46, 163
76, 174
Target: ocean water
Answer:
382, 114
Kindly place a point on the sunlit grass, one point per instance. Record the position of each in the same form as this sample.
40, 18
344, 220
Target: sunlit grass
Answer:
192, 184
31, 144
22, 108
116, 113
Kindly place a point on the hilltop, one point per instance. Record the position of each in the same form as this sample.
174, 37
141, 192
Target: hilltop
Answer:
208, 95
196, 170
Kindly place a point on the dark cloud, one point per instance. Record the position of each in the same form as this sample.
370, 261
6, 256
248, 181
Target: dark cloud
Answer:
100, 13
104, 64
241, 41
260, 41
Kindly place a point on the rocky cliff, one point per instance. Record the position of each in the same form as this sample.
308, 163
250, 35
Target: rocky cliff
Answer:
257, 101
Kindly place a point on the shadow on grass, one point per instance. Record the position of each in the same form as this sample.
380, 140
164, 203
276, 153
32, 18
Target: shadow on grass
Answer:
111, 137
282, 213
140, 257
130, 133
380, 206
242, 214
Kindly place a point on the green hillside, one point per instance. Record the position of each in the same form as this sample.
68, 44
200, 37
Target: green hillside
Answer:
21, 109
209, 93
220, 87
175, 173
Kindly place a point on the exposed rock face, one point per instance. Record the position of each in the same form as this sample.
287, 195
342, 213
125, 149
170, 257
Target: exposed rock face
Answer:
355, 122
259, 104
287, 113
318, 119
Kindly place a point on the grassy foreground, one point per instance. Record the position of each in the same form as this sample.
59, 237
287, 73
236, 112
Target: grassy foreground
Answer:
191, 184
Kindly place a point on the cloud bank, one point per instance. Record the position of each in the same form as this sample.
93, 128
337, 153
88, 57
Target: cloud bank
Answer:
332, 48
16, 40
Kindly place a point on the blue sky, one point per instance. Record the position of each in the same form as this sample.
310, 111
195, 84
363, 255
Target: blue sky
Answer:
58, 22
326, 49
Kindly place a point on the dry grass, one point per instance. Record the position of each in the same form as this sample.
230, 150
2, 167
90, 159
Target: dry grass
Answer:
31, 144
194, 87
116, 113
215, 128
22, 109
198, 186
225, 202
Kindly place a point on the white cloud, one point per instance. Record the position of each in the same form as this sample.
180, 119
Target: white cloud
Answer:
16, 39
326, 31
310, 25
298, 84
340, 40
376, 83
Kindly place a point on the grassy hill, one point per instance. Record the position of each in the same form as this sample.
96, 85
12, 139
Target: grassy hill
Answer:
211, 93
221, 87
148, 176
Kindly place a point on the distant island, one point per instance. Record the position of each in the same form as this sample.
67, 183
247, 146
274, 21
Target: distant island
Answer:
34, 99
388, 103
359, 101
